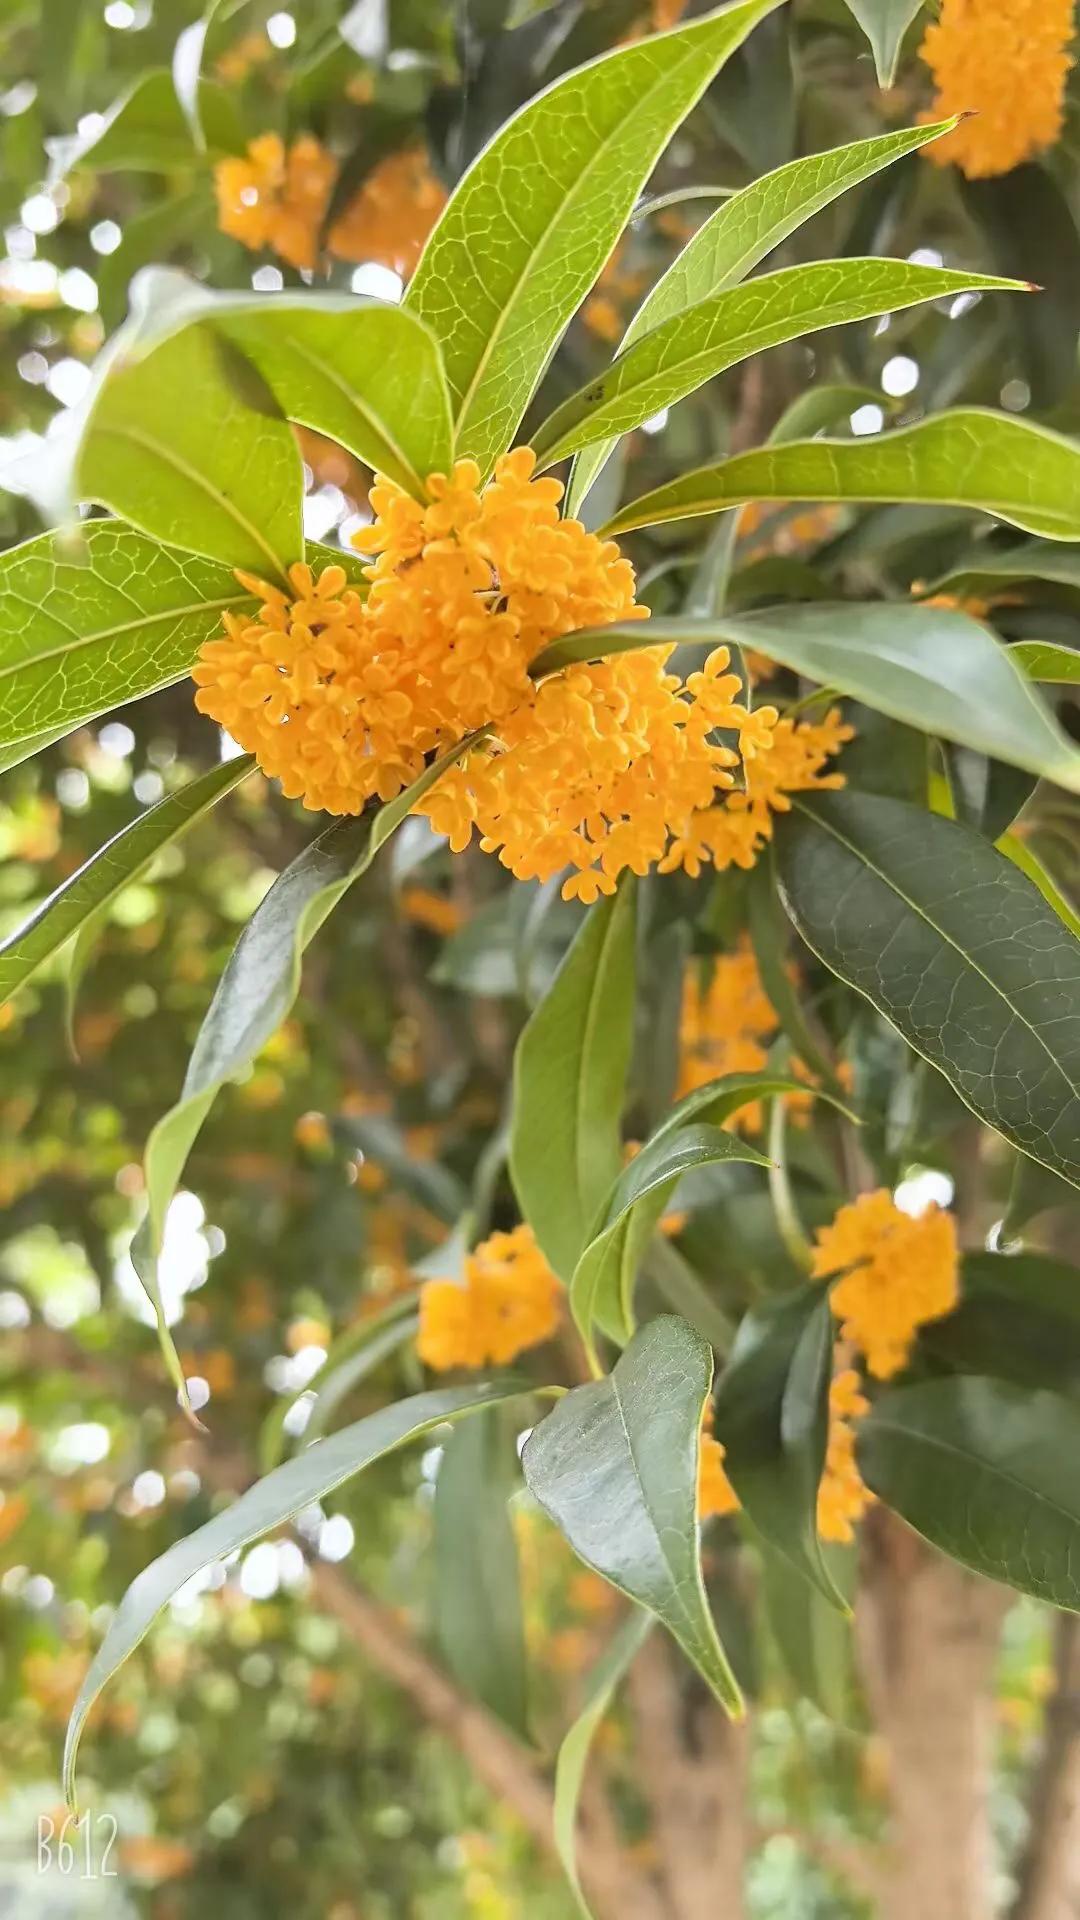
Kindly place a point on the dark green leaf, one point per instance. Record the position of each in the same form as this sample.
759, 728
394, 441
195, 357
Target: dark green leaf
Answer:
885, 23
615, 1466
573, 1753
1018, 1319
1029, 225
477, 1589
812, 1637
956, 948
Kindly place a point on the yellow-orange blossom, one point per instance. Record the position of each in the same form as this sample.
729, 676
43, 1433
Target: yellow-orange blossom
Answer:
1005, 64
599, 768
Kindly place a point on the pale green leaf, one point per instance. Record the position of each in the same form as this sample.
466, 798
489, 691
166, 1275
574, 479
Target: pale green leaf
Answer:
83, 900
569, 1080
97, 617
1042, 660
739, 235
692, 346
533, 221
308, 1477
185, 441
885, 23
990, 462
615, 1466
573, 1754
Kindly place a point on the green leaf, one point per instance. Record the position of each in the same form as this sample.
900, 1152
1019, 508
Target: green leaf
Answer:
615, 1466
149, 236
956, 948
84, 900
253, 996
989, 462
812, 1637
1018, 1319
573, 1754
1042, 660
692, 346
601, 1291
477, 1588
310, 1476
985, 1471
1017, 849
360, 1349
988, 568
739, 235
528, 229
221, 476
97, 617
20, 750
570, 1072
936, 669
772, 1417
145, 131
885, 23
368, 376
770, 941
821, 408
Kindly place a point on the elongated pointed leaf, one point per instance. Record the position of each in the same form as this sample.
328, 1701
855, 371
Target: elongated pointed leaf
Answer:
90, 620
531, 224
994, 569
615, 1466
814, 1640
86, 897
20, 750
266, 1505
985, 1471
1018, 1319
262, 978
956, 948
478, 1617
885, 23
932, 667
569, 1083
221, 477
573, 1754
146, 131
364, 374
692, 346
989, 462
772, 1418
601, 1291
739, 235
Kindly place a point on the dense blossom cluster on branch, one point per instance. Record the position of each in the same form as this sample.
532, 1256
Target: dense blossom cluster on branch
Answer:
1004, 64
279, 197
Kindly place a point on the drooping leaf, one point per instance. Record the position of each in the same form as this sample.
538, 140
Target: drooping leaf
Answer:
990, 462
956, 948
85, 899
615, 1466
477, 1587
885, 23
308, 1477
772, 1418
257, 989
98, 617
692, 346
986, 1471
533, 221
222, 478
601, 1291
351, 1358
932, 667
570, 1073
739, 235
364, 374
813, 1639
573, 1754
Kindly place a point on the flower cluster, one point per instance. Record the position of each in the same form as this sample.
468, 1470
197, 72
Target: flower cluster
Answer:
898, 1272
601, 767
277, 197
1005, 63
715, 1494
726, 1025
843, 1495
509, 1300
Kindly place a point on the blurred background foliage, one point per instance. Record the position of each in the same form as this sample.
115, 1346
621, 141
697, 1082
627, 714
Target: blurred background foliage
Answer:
258, 1758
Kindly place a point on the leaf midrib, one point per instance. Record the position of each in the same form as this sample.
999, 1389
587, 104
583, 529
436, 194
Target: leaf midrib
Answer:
218, 500
922, 914
326, 371
105, 634
881, 1423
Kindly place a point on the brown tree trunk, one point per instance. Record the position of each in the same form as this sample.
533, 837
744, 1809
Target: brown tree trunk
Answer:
928, 1636
1050, 1870
692, 1764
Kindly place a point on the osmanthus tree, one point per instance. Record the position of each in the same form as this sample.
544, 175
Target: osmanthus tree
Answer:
810, 949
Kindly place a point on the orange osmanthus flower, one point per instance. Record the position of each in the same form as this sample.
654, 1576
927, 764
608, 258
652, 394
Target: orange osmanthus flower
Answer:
278, 197
1005, 63
843, 1495
508, 1300
898, 1272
